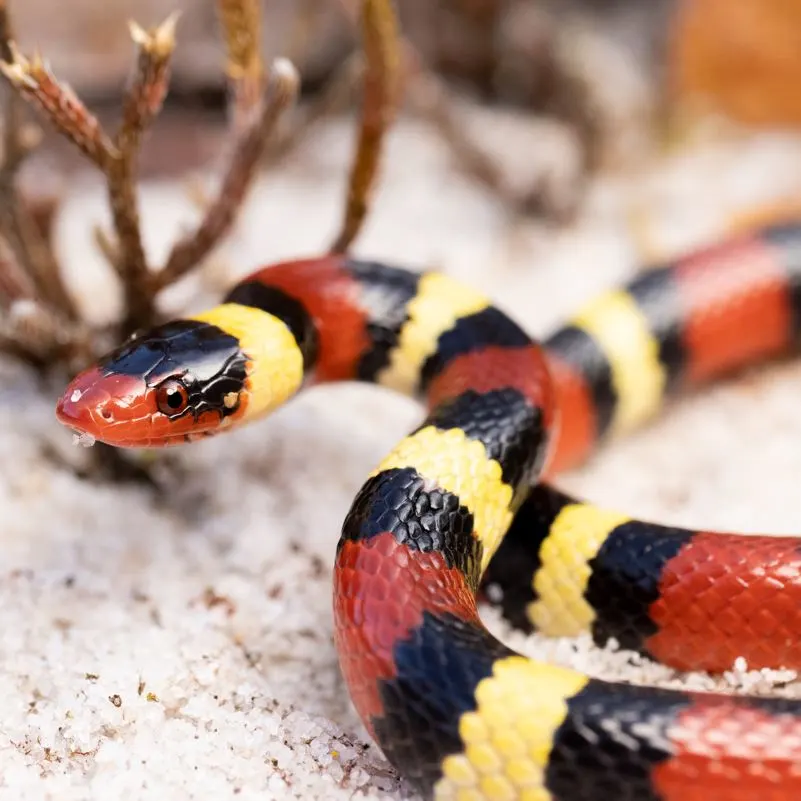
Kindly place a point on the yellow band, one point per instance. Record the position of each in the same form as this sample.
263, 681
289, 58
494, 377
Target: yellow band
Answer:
509, 737
439, 303
275, 362
576, 536
461, 466
621, 330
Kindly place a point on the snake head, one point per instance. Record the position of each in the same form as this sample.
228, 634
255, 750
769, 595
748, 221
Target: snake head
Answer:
176, 383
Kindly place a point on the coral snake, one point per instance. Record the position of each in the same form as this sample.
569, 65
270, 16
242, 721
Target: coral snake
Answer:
459, 714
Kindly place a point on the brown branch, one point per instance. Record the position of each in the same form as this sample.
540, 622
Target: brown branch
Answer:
148, 89
379, 101
31, 251
6, 33
142, 102
433, 100
131, 265
17, 222
242, 25
13, 151
241, 21
39, 334
334, 96
15, 283
33, 80
247, 152
106, 245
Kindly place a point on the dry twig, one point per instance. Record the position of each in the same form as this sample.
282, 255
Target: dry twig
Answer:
34, 80
256, 111
245, 156
106, 245
379, 101
258, 101
38, 321
15, 283
335, 96
144, 98
241, 24
28, 265
253, 122
143, 101
433, 100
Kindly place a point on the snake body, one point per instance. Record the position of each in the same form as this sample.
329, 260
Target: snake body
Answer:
457, 505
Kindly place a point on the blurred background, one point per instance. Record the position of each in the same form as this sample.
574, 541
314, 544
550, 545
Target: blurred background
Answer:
648, 70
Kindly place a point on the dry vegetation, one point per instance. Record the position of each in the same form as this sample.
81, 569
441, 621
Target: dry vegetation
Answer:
39, 320
531, 52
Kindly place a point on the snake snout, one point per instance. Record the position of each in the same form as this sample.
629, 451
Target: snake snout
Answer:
82, 400
101, 405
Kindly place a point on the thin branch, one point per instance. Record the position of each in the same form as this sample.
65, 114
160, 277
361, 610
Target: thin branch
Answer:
433, 100
33, 80
15, 283
142, 102
131, 265
241, 21
39, 334
335, 96
17, 222
13, 151
106, 245
379, 101
22, 233
6, 33
148, 89
242, 25
247, 152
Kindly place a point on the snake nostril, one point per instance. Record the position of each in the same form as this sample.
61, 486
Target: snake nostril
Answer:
106, 414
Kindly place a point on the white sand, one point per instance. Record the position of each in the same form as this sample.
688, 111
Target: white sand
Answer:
182, 648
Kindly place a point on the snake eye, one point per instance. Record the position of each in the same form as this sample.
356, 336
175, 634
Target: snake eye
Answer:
172, 397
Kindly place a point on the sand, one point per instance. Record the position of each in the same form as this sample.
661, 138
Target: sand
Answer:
180, 646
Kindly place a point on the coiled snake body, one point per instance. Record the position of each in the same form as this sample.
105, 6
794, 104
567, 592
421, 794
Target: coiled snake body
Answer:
458, 713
